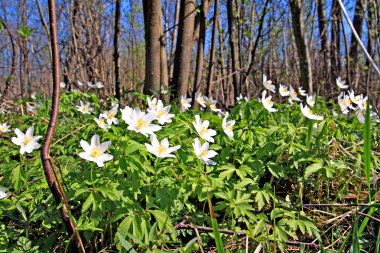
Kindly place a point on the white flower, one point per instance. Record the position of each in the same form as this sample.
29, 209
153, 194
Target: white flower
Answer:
284, 91
127, 114
33, 107
102, 123
202, 129
139, 121
344, 102
164, 90
309, 113
185, 103
89, 84
201, 100
162, 113
27, 141
152, 103
62, 85
310, 100
202, 152
209, 101
99, 85
160, 149
84, 108
240, 97
214, 108
341, 83
268, 104
95, 152
293, 94
228, 125
302, 91
355, 99
362, 104
268, 84
361, 115
4, 128
3, 193
110, 116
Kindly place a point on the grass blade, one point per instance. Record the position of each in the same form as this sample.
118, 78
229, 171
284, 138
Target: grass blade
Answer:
214, 223
367, 146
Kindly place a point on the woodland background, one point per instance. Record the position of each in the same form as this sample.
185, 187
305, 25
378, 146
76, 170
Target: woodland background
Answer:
216, 47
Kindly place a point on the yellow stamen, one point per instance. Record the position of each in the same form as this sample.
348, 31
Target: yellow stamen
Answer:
160, 113
203, 153
161, 149
95, 152
26, 140
111, 115
141, 123
203, 130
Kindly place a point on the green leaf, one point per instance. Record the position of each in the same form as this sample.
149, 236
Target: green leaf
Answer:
311, 169
125, 244
215, 227
88, 203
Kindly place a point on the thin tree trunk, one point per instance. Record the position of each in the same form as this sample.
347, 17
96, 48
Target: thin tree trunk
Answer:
335, 40
232, 19
222, 62
325, 45
116, 49
371, 38
164, 79
354, 47
200, 52
301, 42
213, 48
182, 59
174, 39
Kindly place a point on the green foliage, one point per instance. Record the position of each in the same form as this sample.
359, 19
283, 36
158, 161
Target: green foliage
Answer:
25, 31
133, 203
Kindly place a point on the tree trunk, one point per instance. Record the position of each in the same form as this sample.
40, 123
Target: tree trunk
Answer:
164, 79
371, 39
174, 38
182, 59
301, 42
232, 19
116, 49
213, 48
354, 47
335, 40
325, 47
200, 52
152, 26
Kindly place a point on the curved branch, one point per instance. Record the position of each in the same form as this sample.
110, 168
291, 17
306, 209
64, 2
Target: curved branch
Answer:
50, 174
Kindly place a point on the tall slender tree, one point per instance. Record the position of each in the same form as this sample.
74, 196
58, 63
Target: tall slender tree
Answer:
184, 45
213, 48
233, 35
325, 45
354, 46
301, 42
116, 49
200, 51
